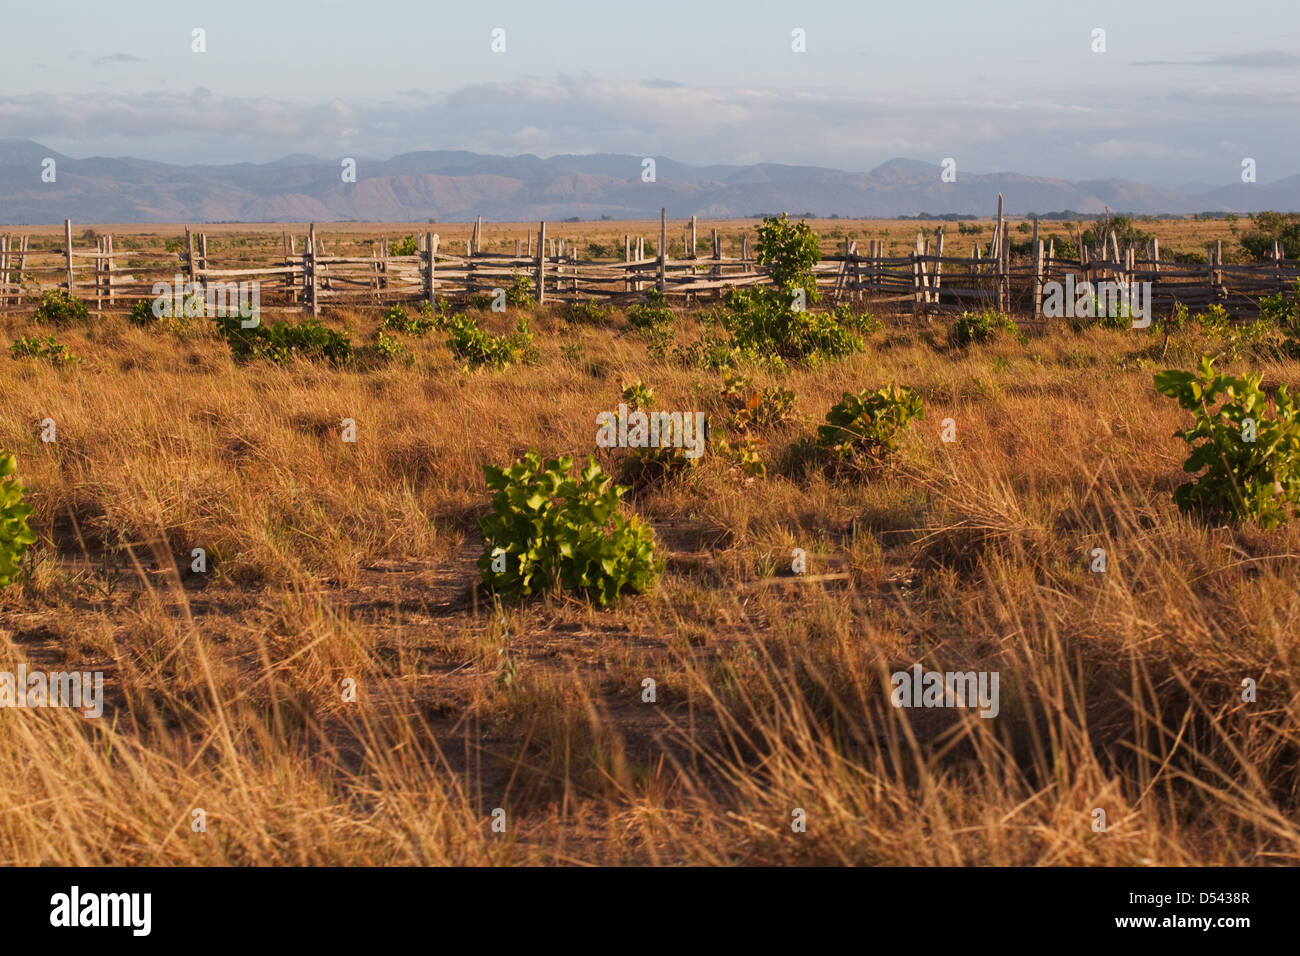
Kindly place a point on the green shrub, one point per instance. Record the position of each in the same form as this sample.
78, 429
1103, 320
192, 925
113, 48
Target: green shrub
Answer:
387, 348
589, 313
15, 536
404, 247
47, 348
519, 293
762, 322
1280, 311
1270, 227
397, 319
642, 467
754, 408
548, 528
653, 314
478, 347
861, 430
790, 251
285, 341
981, 326
1251, 459
59, 308
142, 312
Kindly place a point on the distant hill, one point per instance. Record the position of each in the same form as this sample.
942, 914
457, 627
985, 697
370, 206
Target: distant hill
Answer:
451, 185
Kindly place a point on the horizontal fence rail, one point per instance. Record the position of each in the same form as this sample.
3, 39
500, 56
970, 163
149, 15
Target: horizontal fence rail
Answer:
926, 280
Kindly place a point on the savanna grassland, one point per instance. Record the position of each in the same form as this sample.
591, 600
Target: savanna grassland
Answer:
332, 561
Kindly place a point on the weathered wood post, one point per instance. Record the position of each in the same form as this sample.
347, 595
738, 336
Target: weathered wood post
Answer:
1038, 275
112, 294
22, 264
663, 246
314, 271
428, 268
541, 263
938, 266
67, 241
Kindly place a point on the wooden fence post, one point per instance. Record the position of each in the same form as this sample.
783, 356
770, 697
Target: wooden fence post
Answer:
541, 262
67, 239
663, 246
315, 276
938, 266
1038, 276
22, 264
426, 267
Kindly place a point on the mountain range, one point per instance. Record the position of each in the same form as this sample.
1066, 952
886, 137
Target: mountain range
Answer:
450, 186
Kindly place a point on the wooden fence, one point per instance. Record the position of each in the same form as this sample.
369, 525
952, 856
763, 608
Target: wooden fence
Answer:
926, 280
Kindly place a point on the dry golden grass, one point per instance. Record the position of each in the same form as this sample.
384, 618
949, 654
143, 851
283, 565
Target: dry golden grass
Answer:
1120, 691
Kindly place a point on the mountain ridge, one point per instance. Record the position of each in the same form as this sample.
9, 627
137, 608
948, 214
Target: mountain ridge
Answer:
456, 185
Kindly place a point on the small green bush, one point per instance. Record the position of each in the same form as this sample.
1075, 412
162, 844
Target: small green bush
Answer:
142, 312
548, 528
404, 247
652, 314
790, 251
861, 430
981, 327
589, 313
1251, 458
754, 408
15, 536
519, 293
285, 341
762, 322
47, 348
477, 347
59, 308
397, 319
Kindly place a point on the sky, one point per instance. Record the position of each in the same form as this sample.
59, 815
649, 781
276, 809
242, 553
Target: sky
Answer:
1183, 92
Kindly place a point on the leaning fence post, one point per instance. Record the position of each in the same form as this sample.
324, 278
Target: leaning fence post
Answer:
67, 240
315, 278
663, 243
541, 262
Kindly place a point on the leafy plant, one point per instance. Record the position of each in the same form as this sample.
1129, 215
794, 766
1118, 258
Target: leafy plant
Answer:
763, 322
790, 251
15, 536
284, 341
478, 347
1269, 227
47, 348
592, 313
638, 395
387, 348
519, 293
142, 312
549, 528
397, 319
646, 466
1251, 458
981, 326
862, 429
745, 457
59, 308
753, 407
651, 314
404, 247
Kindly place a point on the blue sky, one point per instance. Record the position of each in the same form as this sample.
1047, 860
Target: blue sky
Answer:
1183, 92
